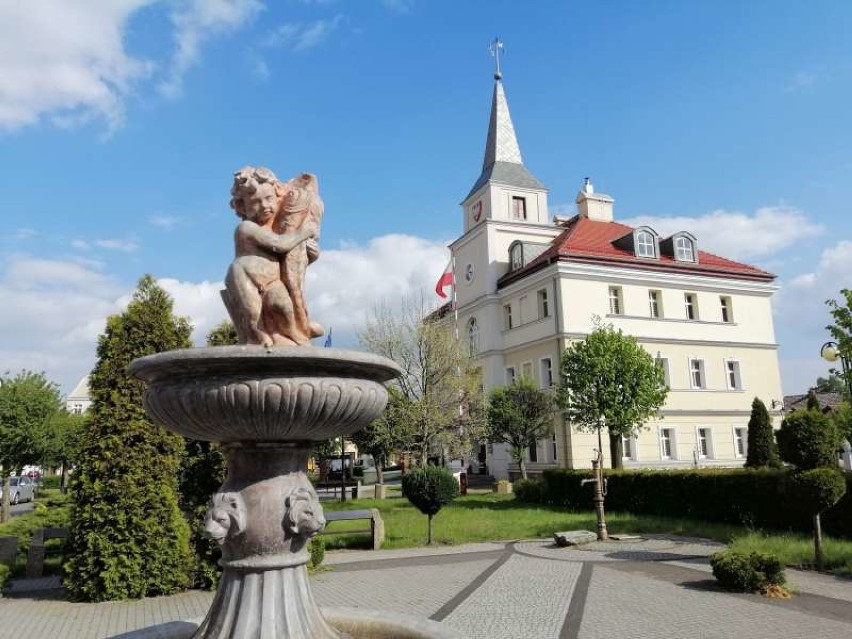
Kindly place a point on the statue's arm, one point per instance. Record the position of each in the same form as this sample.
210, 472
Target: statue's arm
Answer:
278, 243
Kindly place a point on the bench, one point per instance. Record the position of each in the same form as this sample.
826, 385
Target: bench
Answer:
376, 529
37, 551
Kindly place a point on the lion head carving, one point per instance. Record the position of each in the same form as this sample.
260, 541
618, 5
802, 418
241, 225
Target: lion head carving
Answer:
226, 517
304, 513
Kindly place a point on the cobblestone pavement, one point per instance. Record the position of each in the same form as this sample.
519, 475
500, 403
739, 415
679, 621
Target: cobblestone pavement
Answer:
656, 587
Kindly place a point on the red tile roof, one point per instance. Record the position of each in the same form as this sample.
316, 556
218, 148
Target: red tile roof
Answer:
591, 241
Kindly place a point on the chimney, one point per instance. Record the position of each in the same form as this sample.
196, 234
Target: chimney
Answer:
595, 206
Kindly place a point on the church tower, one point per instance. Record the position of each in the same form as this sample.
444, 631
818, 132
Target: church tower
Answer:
505, 204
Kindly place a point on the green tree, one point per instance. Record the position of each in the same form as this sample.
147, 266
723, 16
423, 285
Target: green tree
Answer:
63, 442
818, 490
842, 418
127, 535
202, 471
225, 334
762, 450
812, 402
429, 488
385, 436
609, 380
841, 331
441, 390
808, 439
831, 384
28, 402
519, 415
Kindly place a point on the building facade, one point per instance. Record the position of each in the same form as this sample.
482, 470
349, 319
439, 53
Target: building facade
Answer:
78, 400
527, 285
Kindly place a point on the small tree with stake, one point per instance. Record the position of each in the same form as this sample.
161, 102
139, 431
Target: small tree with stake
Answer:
818, 490
429, 488
519, 414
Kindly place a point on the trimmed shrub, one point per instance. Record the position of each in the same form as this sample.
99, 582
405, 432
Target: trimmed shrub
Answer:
429, 488
5, 572
316, 548
127, 535
808, 439
741, 572
50, 481
529, 491
762, 450
745, 497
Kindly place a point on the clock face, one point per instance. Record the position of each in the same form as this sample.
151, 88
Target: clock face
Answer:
468, 273
476, 210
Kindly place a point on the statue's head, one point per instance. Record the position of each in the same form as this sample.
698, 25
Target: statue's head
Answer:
226, 517
256, 194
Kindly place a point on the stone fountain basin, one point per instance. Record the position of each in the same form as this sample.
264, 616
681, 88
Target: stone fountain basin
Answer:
255, 393
356, 623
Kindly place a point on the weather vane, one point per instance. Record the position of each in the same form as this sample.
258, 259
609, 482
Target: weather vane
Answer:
495, 49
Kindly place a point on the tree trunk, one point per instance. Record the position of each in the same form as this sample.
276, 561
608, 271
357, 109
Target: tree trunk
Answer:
819, 557
429, 538
523, 466
616, 450
6, 510
380, 478
63, 478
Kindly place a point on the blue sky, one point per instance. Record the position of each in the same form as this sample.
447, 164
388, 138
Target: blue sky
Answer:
121, 122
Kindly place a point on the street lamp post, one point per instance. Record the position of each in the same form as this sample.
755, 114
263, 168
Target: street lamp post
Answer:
831, 352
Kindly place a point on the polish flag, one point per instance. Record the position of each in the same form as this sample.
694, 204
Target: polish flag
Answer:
445, 280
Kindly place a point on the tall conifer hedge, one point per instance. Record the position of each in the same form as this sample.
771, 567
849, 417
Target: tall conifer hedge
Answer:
128, 537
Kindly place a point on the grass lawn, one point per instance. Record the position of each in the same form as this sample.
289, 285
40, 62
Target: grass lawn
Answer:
492, 517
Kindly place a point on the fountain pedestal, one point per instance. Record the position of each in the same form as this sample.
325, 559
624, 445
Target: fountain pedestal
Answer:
267, 407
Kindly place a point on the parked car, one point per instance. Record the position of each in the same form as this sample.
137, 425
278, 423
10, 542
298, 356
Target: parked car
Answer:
21, 489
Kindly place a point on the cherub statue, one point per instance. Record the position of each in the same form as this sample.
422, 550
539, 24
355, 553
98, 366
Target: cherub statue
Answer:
274, 243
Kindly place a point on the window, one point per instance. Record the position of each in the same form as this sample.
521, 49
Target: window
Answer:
510, 374
655, 305
543, 305
740, 442
645, 244
533, 450
615, 300
516, 256
554, 448
77, 409
667, 443
546, 370
732, 370
727, 311
628, 448
507, 316
690, 301
684, 250
519, 208
663, 362
473, 336
526, 370
696, 373
704, 443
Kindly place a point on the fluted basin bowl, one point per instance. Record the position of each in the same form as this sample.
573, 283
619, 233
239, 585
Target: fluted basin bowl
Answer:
254, 393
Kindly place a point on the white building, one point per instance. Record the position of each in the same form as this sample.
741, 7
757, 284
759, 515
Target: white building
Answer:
78, 400
526, 286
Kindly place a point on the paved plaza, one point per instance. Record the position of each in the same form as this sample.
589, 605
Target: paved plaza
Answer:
655, 587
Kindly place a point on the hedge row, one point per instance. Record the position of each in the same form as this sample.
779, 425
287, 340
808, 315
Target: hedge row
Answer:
755, 498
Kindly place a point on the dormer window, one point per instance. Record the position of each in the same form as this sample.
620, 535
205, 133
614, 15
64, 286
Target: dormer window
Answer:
646, 244
684, 249
516, 256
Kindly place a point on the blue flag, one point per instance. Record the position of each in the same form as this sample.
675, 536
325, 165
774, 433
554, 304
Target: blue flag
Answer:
328, 339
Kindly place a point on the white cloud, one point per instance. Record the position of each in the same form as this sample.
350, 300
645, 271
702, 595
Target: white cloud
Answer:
196, 22
66, 60
739, 236
54, 310
125, 246
298, 36
165, 222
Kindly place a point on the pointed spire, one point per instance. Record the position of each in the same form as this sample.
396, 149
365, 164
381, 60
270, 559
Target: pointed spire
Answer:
502, 144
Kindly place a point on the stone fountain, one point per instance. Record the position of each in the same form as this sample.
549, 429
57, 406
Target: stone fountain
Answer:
266, 402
